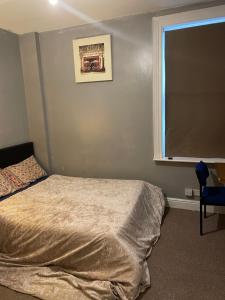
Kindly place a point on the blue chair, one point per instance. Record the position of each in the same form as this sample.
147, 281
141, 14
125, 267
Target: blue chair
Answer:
209, 195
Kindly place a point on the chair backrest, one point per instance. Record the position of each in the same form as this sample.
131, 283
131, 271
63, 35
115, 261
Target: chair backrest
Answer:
202, 173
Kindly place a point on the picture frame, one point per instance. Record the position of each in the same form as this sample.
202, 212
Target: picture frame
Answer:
93, 59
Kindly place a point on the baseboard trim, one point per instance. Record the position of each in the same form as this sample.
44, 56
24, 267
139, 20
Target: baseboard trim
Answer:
192, 205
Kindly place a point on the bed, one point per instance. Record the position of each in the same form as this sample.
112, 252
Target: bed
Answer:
78, 238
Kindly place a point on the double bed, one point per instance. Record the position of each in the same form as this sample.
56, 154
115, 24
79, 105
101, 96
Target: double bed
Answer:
78, 238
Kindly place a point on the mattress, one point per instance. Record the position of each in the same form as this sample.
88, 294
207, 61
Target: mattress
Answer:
76, 238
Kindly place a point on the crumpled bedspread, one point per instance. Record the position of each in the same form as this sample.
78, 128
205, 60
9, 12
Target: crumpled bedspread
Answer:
72, 238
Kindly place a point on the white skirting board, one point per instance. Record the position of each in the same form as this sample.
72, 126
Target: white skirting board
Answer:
192, 205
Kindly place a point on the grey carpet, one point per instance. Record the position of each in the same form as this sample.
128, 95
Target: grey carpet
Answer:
183, 265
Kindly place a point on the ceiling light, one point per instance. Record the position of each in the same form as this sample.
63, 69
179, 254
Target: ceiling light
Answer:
53, 2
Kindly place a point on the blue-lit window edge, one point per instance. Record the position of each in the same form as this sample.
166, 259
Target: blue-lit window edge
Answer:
194, 24
163, 96
171, 28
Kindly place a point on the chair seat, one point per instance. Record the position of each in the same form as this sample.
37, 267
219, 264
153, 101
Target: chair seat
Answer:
213, 195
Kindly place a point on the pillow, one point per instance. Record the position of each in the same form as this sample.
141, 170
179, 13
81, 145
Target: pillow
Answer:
9, 183
27, 171
5, 186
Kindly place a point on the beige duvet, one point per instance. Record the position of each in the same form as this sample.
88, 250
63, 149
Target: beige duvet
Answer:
73, 238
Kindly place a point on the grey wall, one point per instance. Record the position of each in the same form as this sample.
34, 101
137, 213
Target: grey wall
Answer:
101, 129
33, 83
13, 119
104, 129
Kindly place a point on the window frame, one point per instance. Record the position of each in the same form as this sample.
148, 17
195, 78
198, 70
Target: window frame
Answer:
200, 17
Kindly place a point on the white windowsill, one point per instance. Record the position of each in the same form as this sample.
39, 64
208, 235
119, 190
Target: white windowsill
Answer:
191, 159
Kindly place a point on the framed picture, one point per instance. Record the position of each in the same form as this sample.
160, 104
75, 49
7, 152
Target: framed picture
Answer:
93, 59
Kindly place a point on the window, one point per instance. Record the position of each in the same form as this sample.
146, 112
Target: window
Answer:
165, 30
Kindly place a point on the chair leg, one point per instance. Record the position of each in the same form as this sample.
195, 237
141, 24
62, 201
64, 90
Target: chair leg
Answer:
201, 219
204, 211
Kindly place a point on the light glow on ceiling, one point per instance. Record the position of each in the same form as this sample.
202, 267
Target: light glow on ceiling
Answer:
53, 2
105, 29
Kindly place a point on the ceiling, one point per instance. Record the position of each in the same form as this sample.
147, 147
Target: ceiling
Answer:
22, 16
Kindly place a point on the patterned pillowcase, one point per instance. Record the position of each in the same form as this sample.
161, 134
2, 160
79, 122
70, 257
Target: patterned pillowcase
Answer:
10, 183
27, 171
5, 186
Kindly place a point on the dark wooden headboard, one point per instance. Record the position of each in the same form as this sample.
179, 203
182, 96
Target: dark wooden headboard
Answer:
14, 154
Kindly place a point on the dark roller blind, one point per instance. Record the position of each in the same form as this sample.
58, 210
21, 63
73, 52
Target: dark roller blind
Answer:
195, 91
